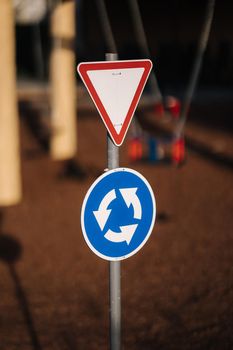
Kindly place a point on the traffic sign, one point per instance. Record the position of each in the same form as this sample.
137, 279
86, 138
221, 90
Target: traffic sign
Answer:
115, 88
118, 214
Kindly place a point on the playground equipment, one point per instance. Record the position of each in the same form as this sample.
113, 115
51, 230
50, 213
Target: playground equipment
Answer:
178, 111
63, 144
10, 175
63, 83
29, 12
142, 42
106, 26
63, 140
178, 148
204, 36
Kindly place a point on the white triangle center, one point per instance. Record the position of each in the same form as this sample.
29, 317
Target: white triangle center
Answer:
116, 89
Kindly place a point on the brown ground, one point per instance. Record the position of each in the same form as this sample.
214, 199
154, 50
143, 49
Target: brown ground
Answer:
177, 291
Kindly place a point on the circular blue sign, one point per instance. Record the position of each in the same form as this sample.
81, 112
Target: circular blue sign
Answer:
118, 214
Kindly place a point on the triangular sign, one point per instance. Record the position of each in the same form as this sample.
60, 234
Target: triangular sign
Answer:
115, 88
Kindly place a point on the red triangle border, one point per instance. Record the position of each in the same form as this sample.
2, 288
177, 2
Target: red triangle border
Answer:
83, 69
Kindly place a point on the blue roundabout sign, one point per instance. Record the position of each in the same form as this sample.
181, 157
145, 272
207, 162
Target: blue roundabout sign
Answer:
118, 214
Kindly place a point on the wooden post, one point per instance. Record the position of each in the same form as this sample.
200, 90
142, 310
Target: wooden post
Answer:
10, 176
63, 83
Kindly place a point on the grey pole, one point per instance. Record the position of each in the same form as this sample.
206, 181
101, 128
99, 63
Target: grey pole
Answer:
114, 266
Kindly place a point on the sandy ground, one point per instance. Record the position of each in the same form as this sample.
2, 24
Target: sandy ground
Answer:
177, 291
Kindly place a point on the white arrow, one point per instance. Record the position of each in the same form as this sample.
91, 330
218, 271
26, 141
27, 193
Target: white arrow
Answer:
125, 235
130, 197
103, 213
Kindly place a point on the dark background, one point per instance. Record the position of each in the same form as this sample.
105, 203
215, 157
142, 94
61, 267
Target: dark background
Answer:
172, 28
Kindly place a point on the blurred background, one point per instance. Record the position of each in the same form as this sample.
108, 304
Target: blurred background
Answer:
172, 30
177, 292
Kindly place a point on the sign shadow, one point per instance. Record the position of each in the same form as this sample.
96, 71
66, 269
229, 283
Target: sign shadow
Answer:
10, 253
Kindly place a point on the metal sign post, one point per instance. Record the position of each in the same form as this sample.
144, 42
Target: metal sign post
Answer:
114, 266
118, 188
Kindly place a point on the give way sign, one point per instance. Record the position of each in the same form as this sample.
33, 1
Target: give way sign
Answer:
115, 88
